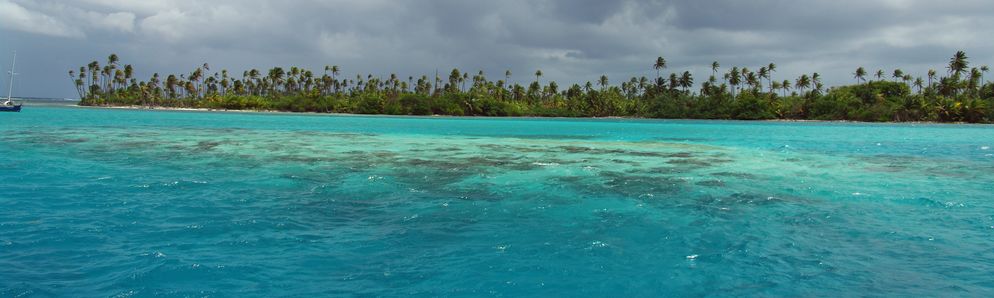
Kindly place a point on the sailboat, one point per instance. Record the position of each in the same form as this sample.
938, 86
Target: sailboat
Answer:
9, 105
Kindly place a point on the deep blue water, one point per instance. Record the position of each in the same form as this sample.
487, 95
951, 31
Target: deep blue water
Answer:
100, 202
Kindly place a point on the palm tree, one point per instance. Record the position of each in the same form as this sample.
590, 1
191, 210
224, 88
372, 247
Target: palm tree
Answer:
714, 68
454, 78
106, 72
860, 74
975, 79
734, 78
772, 67
93, 68
119, 80
129, 71
931, 77
674, 81
659, 65
334, 76
763, 74
82, 77
898, 74
686, 81
751, 80
78, 83
958, 63
275, 77
880, 74
224, 81
207, 68
538, 75
109, 71
603, 82
983, 69
803, 82
438, 81
920, 84
786, 87
816, 81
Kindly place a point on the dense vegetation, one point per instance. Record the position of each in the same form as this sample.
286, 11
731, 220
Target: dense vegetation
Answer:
961, 94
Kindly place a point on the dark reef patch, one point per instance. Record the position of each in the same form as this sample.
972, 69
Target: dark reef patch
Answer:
304, 159
550, 137
735, 175
700, 163
628, 185
680, 155
74, 140
659, 170
207, 145
138, 144
711, 183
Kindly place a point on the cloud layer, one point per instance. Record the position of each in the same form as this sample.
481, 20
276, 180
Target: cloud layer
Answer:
571, 41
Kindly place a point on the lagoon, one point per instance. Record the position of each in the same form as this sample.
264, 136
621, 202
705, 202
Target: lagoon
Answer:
102, 202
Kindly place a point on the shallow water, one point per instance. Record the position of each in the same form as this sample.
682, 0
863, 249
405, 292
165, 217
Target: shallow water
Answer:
122, 202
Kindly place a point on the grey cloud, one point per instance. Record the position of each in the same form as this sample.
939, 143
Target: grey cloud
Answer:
571, 41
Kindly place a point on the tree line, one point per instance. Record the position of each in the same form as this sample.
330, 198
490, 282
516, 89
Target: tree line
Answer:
959, 94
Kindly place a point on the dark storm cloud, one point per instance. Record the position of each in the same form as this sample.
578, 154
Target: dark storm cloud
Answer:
571, 41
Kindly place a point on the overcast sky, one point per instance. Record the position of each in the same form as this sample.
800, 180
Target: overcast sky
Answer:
571, 41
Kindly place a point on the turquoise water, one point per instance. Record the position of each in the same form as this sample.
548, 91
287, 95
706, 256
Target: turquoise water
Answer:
142, 203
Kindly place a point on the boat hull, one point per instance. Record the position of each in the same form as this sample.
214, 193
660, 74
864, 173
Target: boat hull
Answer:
16, 108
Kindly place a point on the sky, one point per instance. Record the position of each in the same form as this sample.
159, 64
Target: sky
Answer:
571, 41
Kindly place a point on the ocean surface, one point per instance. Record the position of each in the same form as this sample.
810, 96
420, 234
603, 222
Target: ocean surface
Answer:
121, 203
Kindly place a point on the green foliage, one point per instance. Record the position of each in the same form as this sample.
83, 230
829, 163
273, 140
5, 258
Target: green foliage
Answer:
961, 96
370, 104
416, 104
751, 107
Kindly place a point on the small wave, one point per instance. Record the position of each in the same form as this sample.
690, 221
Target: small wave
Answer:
545, 164
598, 244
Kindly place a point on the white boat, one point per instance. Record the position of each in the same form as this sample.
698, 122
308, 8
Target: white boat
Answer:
9, 105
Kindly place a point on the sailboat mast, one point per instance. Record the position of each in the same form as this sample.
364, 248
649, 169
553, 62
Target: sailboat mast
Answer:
12, 73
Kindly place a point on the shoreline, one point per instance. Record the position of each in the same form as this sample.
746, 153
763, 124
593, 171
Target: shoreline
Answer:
207, 110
